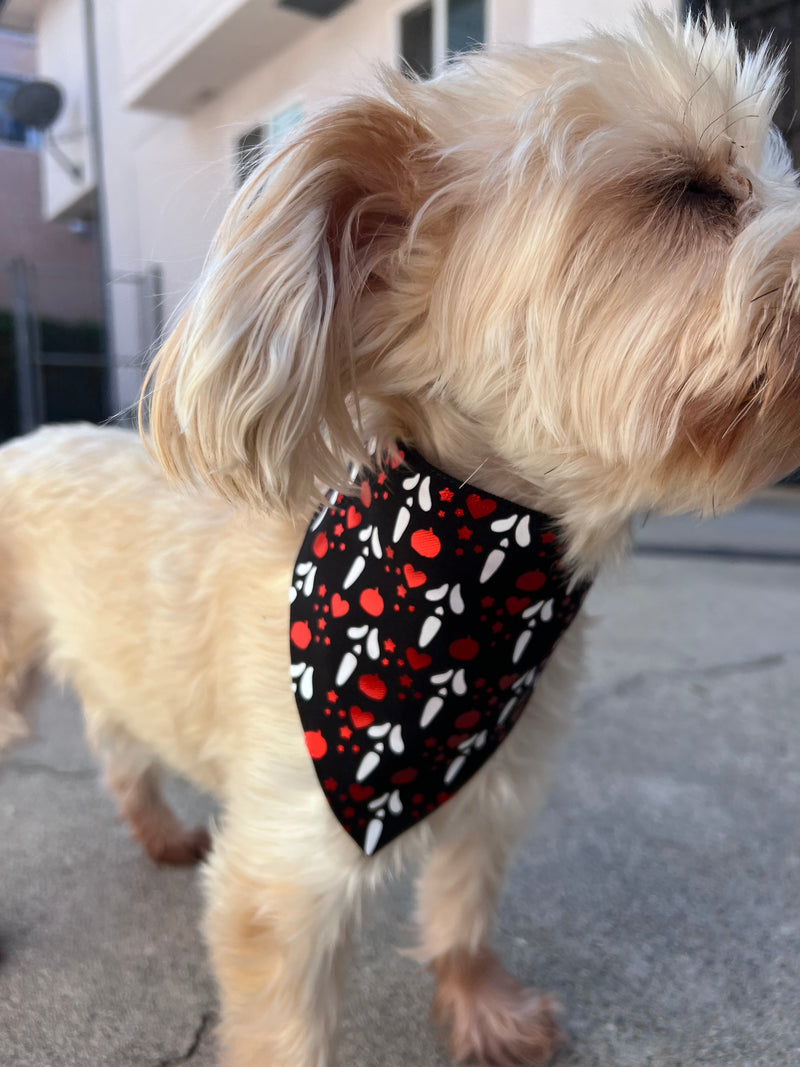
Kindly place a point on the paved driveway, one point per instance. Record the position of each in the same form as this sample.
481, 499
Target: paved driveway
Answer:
659, 896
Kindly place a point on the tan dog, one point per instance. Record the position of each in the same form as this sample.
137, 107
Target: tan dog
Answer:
568, 275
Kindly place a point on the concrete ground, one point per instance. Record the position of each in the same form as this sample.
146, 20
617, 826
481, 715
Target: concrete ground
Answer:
658, 897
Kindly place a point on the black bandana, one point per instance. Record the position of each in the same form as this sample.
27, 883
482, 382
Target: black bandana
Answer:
422, 614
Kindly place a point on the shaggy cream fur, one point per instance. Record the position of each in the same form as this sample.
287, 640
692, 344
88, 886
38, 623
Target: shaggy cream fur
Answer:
569, 275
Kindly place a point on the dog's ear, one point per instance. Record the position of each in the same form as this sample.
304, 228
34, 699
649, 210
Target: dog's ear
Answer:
254, 391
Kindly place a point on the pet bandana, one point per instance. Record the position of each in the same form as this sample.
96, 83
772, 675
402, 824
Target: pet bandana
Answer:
422, 612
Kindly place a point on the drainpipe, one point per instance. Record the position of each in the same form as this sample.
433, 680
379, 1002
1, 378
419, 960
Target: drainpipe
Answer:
98, 162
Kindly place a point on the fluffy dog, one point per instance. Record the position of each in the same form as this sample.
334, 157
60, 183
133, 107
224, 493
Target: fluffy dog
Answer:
568, 277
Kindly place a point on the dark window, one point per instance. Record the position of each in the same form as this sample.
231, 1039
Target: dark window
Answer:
249, 153
465, 29
416, 41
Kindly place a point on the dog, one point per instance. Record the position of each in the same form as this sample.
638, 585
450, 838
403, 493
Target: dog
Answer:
561, 282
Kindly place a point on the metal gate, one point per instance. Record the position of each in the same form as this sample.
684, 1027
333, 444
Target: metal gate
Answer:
54, 364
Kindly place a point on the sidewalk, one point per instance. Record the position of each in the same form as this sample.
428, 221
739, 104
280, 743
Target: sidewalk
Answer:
658, 898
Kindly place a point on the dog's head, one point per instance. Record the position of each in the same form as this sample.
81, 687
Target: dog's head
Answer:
581, 263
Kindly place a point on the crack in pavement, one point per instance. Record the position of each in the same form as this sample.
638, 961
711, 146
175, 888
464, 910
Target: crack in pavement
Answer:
173, 1061
718, 670
33, 767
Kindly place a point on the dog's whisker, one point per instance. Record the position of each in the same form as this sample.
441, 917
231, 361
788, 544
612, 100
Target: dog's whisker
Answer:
472, 476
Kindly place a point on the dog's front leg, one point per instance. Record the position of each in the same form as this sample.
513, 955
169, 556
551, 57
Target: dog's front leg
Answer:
278, 927
489, 1016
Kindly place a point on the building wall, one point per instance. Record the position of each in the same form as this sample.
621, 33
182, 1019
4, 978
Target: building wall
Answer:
169, 174
62, 262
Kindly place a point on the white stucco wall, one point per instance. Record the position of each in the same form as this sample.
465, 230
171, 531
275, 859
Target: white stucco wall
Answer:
168, 177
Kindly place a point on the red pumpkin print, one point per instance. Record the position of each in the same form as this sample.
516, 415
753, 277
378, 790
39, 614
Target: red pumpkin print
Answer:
467, 720
516, 604
464, 649
300, 634
426, 543
372, 602
316, 744
372, 686
531, 581
408, 774
360, 792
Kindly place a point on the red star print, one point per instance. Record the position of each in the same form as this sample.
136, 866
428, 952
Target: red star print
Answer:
330, 785
345, 732
338, 529
389, 645
548, 538
323, 590
446, 495
401, 590
331, 697
321, 624
497, 627
405, 680
487, 601
389, 552
464, 533
459, 512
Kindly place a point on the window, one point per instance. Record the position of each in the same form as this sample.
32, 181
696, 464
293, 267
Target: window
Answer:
432, 32
255, 145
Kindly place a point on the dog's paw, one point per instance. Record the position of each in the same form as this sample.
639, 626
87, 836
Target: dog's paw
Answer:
490, 1017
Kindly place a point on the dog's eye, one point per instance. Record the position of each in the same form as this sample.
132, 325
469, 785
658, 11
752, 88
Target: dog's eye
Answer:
709, 198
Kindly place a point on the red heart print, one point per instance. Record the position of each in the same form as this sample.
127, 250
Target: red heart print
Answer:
372, 686
353, 517
300, 634
516, 604
360, 792
464, 649
418, 660
479, 507
414, 577
361, 719
339, 606
316, 744
372, 602
507, 681
531, 581
426, 543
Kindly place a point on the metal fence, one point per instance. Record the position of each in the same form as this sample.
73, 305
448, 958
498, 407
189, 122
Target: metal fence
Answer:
54, 363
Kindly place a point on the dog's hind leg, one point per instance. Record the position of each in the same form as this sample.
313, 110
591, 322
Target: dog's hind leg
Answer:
132, 778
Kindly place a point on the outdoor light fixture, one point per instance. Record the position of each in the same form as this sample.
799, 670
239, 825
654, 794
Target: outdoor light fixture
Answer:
37, 105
